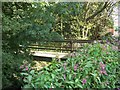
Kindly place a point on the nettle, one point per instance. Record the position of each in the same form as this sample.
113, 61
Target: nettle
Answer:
95, 66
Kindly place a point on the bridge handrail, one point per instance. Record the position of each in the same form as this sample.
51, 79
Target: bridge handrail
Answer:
67, 48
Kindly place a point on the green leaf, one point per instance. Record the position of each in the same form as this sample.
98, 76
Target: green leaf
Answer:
32, 72
46, 86
24, 74
76, 80
94, 74
99, 79
25, 80
89, 64
29, 78
70, 76
79, 85
32, 84
27, 86
53, 76
69, 82
70, 86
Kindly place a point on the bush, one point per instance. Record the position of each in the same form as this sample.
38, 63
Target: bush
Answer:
11, 70
95, 66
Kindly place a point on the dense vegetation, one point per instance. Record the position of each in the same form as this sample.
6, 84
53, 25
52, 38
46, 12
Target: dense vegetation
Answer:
30, 23
95, 66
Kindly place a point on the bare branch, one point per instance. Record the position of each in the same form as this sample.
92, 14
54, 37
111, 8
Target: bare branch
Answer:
97, 12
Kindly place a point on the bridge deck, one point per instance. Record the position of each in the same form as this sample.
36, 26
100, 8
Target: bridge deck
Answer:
50, 54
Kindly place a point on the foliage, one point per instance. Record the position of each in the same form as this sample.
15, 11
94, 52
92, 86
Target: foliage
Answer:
10, 69
95, 66
30, 23
72, 19
23, 25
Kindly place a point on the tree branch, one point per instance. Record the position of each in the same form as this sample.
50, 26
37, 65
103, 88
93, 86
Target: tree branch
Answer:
97, 12
110, 9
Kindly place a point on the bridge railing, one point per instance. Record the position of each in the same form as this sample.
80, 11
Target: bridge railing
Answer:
63, 45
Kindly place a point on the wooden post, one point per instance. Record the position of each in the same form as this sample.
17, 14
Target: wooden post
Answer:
71, 44
60, 47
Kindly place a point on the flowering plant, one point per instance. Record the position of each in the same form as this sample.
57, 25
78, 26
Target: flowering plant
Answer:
93, 67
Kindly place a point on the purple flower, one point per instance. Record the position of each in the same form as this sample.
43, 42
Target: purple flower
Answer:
102, 66
26, 68
64, 65
21, 66
107, 52
84, 81
75, 67
64, 76
103, 72
104, 46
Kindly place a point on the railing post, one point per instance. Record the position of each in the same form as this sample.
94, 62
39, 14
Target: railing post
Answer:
60, 47
71, 44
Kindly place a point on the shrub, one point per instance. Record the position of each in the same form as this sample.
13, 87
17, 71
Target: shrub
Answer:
95, 66
10, 70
